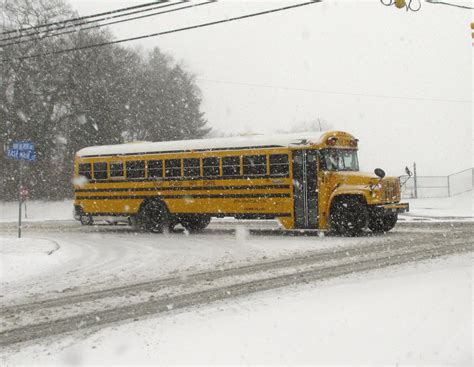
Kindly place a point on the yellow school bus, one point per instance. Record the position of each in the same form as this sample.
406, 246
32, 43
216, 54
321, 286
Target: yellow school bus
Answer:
307, 181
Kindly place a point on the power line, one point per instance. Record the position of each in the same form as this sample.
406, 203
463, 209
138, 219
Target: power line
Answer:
114, 22
176, 30
82, 23
449, 4
84, 17
332, 92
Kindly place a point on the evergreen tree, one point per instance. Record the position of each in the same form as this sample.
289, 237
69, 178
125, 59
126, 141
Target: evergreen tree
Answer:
105, 95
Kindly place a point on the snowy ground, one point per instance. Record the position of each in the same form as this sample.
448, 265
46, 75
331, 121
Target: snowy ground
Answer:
36, 211
94, 257
412, 314
416, 314
456, 207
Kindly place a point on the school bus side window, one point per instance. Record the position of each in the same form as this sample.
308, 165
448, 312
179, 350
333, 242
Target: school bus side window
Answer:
231, 166
279, 165
155, 169
135, 169
100, 170
173, 167
116, 169
85, 170
255, 165
191, 167
210, 166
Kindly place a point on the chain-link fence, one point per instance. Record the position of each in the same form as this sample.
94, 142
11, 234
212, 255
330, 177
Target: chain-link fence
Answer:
437, 186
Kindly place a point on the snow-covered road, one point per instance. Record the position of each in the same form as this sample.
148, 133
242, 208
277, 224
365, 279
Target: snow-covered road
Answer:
105, 274
88, 276
415, 314
98, 257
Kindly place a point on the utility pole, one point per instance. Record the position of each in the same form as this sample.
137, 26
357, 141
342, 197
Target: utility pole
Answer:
415, 180
449, 187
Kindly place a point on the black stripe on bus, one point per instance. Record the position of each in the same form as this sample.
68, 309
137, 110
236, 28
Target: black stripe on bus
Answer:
184, 151
249, 215
202, 188
181, 178
191, 196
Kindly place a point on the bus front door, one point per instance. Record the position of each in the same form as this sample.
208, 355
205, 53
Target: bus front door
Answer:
305, 186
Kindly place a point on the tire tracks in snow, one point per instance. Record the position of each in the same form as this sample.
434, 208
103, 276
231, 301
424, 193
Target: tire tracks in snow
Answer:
99, 308
310, 257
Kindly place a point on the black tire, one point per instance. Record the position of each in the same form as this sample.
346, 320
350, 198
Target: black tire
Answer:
348, 216
381, 223
172, 222
195, 223
86, 220
153, 216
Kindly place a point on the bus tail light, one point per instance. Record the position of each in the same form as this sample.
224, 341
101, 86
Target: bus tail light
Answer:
331, 141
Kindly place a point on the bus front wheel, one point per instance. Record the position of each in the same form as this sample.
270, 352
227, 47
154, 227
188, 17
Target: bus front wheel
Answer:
379, 223
348, 216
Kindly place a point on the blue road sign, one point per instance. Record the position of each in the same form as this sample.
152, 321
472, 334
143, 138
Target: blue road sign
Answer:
22, 150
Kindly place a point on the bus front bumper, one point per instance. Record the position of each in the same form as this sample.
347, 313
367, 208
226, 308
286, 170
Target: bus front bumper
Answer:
394, 208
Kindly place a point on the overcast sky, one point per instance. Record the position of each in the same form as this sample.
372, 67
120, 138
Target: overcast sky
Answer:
327, 61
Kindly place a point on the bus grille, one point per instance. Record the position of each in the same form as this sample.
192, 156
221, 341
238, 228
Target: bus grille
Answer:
390, 191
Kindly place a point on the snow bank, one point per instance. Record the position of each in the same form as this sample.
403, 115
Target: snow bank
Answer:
414, 314
36, 211
25, 257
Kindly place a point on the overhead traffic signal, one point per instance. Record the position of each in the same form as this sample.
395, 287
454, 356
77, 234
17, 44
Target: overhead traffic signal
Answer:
400, 4
413, 5
472, 33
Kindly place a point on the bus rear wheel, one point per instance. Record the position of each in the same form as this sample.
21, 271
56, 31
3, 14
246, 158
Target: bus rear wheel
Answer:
195, 223
348, 216
153, 216
86, 220
380, 223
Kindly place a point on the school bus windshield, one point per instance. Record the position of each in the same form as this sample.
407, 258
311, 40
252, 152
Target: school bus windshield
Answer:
339, 160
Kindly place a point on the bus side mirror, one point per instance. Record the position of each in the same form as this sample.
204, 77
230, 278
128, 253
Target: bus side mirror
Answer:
379, 172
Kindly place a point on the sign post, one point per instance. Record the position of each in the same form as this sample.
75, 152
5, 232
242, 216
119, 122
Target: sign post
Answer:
23, 150
24, 196
19, 199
